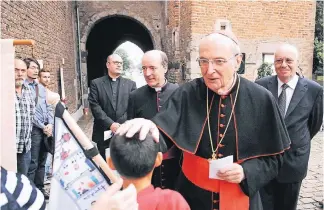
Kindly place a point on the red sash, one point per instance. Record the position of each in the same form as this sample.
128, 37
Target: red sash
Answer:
171, 153
231, 197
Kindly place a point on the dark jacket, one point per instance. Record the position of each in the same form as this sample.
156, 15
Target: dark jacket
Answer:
303, 120
100, 99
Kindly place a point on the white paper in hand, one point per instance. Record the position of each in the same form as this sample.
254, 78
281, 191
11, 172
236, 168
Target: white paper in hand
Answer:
216, 165
107, 135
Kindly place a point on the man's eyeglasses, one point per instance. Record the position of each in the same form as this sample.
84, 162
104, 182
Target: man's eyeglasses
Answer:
280, 61
117, 62
204, 62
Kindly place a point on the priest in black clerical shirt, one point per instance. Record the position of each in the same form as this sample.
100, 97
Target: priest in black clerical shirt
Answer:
146, 102
108, 101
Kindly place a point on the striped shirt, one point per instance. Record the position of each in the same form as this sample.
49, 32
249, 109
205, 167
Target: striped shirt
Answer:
25, 109
17, 192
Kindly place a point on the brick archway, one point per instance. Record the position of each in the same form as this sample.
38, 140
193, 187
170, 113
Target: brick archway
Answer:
102, 16
153, 31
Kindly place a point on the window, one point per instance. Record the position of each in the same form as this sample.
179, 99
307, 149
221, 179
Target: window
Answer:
222, 24
241, 70
268, 58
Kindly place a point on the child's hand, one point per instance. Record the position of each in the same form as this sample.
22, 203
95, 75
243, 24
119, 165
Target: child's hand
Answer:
116, 199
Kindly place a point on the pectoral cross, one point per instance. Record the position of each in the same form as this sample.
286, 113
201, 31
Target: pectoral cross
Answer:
213, 157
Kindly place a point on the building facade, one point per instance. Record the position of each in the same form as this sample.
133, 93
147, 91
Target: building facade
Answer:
79, 35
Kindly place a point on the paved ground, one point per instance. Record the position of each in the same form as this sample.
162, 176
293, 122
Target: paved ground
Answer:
311, 195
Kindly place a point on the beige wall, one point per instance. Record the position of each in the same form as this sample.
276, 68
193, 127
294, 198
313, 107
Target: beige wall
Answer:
7, 116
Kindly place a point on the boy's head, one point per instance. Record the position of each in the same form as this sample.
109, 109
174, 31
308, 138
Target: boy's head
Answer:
133, 158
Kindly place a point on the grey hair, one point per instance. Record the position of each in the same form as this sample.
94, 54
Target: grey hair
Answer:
236, 51
236, 48
113, 55
164, 59
289, 46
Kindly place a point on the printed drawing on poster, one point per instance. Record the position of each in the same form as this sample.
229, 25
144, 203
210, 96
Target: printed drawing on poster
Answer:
76, 175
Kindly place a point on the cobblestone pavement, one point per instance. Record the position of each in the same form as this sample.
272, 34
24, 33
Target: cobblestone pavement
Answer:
311, 195
86, 123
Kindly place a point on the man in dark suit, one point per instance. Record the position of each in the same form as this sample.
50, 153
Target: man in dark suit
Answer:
301, 103
146, 102
108, 100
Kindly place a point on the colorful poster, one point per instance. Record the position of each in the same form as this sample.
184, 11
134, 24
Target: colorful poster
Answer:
76, 181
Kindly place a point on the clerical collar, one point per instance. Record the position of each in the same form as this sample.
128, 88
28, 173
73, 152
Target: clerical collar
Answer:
159, 89
231, 88
113, 79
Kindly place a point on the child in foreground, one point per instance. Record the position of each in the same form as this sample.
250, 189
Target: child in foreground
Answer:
135, 161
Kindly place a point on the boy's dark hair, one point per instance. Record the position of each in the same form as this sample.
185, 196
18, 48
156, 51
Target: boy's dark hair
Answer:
132, 157
29, 60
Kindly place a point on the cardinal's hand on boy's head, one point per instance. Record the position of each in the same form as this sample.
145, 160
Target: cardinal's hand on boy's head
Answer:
141, 126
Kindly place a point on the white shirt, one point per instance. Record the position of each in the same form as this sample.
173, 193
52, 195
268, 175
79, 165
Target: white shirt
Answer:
290, 89
158, 89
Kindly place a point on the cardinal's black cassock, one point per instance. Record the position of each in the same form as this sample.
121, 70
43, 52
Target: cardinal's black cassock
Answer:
255, 135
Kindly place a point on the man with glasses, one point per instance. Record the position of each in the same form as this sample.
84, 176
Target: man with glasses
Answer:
300, 101
229, 129
146, 102
108, 100
42, 126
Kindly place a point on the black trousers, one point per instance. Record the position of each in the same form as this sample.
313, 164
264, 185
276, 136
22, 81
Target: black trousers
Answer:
36, 172
166, 175
280, 196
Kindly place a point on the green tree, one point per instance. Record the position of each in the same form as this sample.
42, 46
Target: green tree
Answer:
318, 41
126, 61
264, 70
